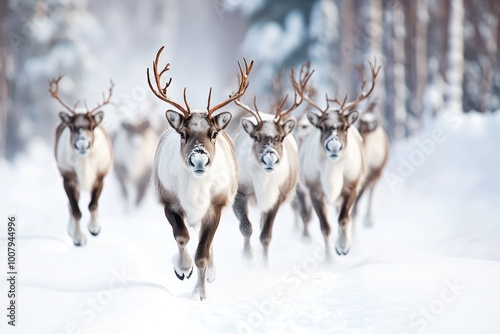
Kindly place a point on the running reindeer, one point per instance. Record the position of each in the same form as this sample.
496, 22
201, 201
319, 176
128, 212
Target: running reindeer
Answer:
84, 156
135, 144
268, 162
376, 149
195, 174
332, 164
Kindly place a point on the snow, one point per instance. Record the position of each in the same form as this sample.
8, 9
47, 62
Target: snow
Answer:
430, 263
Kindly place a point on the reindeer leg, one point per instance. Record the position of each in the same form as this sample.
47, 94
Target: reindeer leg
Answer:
120, 175
356, 203
267, 230
183, 264
73, 193
142, 186
209, 225
343, 243
211, 272
240, 208
368, 217
318, 202
303, 210
94, 225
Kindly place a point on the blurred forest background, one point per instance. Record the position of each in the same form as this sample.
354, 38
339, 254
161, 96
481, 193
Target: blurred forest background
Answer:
436, 55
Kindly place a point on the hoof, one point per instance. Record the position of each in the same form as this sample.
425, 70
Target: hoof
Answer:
80, 242
199, 295
183, 275
95, 233
211, 274
342, 251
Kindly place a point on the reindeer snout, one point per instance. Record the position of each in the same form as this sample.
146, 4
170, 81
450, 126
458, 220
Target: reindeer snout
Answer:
333, 147
82, 144
198, 160
269, 160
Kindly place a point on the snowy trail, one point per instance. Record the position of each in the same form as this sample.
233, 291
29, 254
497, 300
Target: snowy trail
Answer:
438, 231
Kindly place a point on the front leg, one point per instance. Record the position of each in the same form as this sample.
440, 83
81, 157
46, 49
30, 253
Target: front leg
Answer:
240, 208
94, 224
73, 193
203, 258
318, 202
183, 264
343, 243
267, 230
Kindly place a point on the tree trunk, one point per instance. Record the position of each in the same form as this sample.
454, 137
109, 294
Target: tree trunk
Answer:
455, 69
400, 116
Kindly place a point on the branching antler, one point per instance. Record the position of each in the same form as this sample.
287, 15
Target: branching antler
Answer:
54, 92
299, 89
313, 104
344, 105
243, 85
254, 112
104, 99
161, 92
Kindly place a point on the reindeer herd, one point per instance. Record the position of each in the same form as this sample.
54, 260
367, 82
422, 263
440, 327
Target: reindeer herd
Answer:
197, 171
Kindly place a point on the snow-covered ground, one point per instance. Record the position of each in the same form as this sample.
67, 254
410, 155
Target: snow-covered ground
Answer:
430, 263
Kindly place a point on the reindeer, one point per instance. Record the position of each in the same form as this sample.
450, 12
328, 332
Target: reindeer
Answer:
332, 164
135, 145
84, 157
195, 174
376, 150
268, 162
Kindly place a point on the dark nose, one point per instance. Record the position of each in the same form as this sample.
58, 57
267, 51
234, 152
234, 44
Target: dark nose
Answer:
333, 145
198, 160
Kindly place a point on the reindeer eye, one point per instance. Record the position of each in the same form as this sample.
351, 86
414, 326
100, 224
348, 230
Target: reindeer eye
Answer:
214, 135
182, 135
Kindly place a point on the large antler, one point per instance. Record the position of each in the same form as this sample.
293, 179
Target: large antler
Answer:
309, 100
104, 99
54, 92
161, 92
299, 89
254, 112
243, 80
363, 95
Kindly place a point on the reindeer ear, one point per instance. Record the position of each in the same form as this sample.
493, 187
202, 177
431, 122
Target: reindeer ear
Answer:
248, 126
222, 120
313, 118
352, 117
65, 117
289, 125
175, 119
98, 116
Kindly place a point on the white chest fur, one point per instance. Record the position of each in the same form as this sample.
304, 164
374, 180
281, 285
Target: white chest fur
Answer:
194, 194
97, 162
266, 186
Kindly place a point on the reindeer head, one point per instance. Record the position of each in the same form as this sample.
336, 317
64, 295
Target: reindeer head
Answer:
198, 130
369, 120
335, 123
136, 132
268, 134
81, 125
